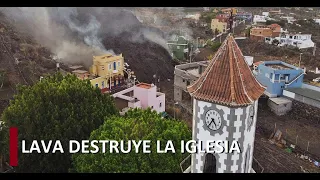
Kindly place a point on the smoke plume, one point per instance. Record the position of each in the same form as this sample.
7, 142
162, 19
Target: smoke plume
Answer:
74, 34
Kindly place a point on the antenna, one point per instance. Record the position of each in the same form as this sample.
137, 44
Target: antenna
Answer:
231, 21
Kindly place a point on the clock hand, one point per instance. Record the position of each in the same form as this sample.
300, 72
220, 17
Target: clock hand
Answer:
213, 122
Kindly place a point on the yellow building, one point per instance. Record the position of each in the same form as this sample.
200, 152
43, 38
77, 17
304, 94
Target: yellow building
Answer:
228, 10
108, 70
215, 10
219, 24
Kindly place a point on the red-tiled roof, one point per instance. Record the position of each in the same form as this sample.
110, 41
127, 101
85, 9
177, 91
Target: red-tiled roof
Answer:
228, 79
274, 25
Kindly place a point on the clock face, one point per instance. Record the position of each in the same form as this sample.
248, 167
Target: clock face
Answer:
213, 120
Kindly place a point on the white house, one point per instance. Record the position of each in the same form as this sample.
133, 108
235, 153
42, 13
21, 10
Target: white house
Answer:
317, 21
266, 14
298, 40
259, 19
288, 18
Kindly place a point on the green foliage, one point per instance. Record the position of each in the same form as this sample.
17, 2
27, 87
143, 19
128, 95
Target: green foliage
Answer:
56, 108
136, 125
214, 45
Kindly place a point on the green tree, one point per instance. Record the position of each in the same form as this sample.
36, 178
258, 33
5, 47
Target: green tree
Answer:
136, 125
56, 108
214, 45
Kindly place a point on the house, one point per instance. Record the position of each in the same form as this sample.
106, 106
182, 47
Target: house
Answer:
300, 41
81, 74
244, 16
206, 9
215, 10
108, 70
179, 47
105, 73
220, 23
143, 96
259, 34
229, 10
278, 75
184, 75
259, 19
317, 21
289, 19
276, 29
266, 14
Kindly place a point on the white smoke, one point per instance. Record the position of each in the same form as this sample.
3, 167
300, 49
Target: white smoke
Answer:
75, 34
166, 19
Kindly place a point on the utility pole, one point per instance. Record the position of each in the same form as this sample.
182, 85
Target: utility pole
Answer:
314, 49
191, 53
300, 60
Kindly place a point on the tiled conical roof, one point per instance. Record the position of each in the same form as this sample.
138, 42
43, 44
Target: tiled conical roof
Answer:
227, 79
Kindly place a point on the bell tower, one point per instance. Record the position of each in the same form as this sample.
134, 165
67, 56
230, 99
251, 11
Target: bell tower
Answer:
225, 102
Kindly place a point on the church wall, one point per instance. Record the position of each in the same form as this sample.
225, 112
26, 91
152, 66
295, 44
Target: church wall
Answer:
235, 126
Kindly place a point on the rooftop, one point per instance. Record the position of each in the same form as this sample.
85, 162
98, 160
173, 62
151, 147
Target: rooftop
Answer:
228, 79
145, 85
76, 67
280, 100
108, 57
312, 94
80, 71
279, 65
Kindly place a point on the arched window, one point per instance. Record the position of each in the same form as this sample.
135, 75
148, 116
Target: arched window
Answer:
209, 164
246, 163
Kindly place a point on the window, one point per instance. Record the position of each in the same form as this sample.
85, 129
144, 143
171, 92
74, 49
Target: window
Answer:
102, 84
97, 85
260, 32
183, 80
160, 104
246, 163
209, 164
102, 67
290, 37
151, 107
188, 83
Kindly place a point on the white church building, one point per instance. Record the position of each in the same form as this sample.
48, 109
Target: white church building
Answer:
225, 104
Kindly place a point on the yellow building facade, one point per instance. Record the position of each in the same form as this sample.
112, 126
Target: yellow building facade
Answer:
219, 25
108, 71
228, 10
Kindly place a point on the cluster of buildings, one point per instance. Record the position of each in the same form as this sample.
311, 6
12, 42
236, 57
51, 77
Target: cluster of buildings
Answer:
274, 34
221, 23
282, 81
109, 73
183, 49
